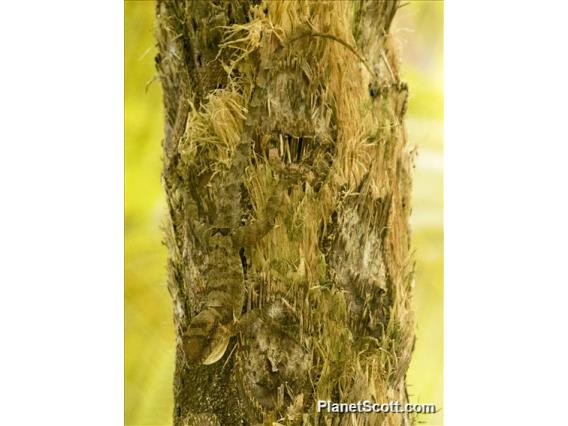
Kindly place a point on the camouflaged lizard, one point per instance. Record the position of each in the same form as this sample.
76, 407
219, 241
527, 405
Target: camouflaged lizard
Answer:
207, 337
208, 334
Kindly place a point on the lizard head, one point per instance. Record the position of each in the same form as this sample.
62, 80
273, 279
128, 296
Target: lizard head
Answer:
205, 340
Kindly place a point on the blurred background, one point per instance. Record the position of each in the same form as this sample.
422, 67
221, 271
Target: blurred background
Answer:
149, 332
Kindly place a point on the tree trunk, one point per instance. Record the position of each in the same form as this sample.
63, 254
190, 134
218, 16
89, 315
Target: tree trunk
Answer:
287, 176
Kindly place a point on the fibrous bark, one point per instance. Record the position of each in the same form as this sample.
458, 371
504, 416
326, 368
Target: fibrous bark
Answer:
287, 176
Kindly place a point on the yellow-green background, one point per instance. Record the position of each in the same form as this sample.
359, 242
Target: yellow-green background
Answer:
149, 337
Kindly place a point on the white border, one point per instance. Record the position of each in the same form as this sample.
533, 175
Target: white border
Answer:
61, 213
506, 168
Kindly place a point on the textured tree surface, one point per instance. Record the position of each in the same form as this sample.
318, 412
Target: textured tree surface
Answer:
288, 178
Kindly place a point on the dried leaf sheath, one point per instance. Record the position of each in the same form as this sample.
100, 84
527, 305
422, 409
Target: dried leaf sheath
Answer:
287, 176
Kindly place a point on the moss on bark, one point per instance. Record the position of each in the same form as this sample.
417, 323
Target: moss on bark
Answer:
288, 178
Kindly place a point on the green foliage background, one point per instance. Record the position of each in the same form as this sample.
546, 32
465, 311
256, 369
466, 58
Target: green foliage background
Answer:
149, 334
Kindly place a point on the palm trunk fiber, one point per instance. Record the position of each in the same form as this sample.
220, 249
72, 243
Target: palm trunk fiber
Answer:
287, 176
